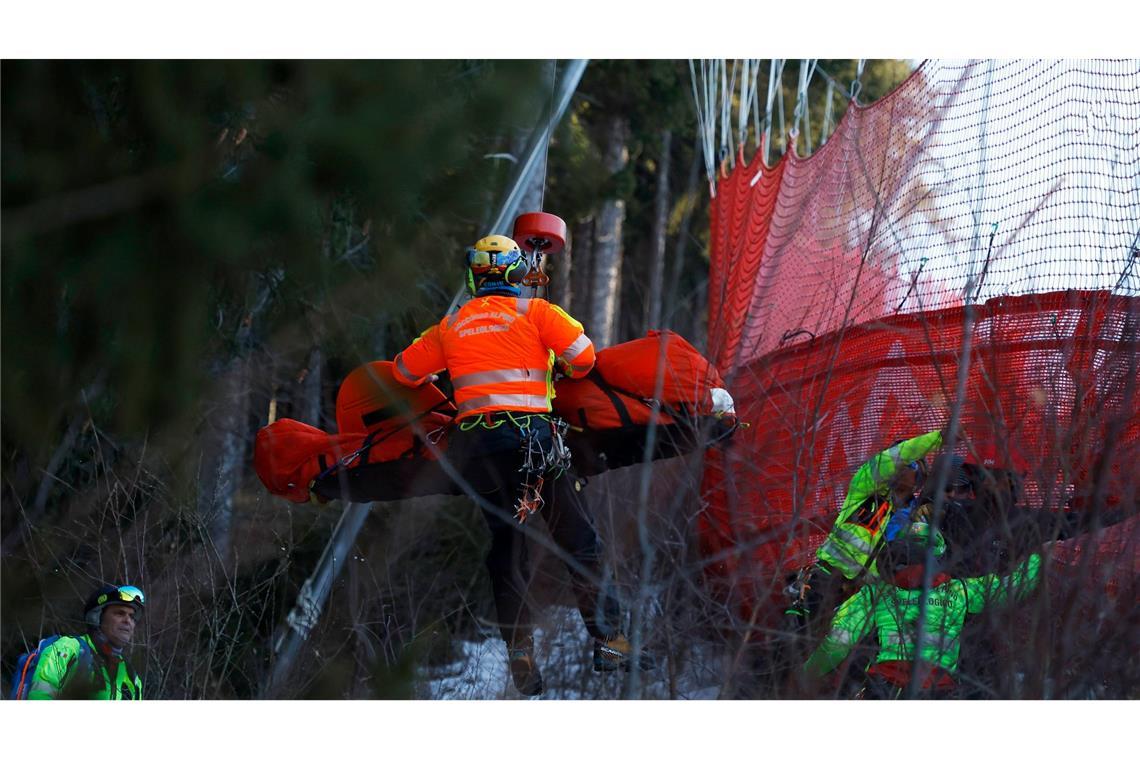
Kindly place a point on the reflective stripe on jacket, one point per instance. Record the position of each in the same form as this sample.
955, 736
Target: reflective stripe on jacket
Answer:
867, 507
62, 673
500, 352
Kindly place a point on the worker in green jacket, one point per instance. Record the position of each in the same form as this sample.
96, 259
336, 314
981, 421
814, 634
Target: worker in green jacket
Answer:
883, 485
893, 605
94, 665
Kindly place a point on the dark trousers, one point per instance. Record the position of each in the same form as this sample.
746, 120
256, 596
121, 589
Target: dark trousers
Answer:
808, 617
490, 461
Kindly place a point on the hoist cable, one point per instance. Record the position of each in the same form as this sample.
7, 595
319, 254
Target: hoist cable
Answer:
546, 148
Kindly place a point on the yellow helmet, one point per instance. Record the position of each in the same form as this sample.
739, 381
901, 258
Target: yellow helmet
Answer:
497, 243
495, 262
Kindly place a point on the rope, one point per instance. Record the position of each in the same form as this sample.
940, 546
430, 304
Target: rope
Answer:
856, 84
706, 118
714, 87
780, 103
708, 70
825, 129
841, 89
772, 68
755, 110
807, 69
748, 77
710, 124
727, 86
849, 93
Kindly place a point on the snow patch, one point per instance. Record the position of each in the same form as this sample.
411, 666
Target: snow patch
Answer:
565, 655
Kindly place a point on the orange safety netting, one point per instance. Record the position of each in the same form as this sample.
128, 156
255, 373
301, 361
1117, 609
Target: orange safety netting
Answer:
840, 283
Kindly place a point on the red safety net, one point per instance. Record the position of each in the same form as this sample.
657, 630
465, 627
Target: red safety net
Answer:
840, 286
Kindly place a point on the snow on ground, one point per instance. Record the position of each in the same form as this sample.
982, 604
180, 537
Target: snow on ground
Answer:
565, 655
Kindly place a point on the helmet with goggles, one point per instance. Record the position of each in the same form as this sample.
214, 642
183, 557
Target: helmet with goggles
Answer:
109, 594
495, 264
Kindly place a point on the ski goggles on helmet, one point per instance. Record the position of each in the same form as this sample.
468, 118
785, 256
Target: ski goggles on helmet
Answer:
482, 262
123, 594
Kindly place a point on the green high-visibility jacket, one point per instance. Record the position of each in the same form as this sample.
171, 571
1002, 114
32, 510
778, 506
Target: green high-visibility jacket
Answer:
893, 612
65, 671
867, 507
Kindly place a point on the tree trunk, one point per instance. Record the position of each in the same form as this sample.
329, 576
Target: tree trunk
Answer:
660, 232
224, 444
581, 263
682, 241
558, 269
15, 538
310, 392
606, 280
224, 454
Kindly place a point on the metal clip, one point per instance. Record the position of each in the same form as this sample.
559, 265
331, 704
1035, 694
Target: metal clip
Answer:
530, 501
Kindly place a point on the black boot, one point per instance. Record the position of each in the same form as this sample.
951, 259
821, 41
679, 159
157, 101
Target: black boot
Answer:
617, 652
524, 668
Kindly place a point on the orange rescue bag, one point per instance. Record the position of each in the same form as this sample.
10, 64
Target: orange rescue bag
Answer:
621, 390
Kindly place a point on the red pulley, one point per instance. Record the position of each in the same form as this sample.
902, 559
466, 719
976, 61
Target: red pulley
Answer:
539, 232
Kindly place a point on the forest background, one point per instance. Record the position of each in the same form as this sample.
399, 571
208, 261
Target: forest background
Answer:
192, 248
231, 31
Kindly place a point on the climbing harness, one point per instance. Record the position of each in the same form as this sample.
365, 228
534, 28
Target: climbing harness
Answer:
495, 420
539, 463
531, 499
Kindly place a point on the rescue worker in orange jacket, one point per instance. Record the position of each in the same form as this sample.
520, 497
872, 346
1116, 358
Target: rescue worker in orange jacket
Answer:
501, 351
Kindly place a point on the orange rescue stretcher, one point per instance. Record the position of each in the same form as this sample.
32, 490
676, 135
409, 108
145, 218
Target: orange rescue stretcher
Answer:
391, 438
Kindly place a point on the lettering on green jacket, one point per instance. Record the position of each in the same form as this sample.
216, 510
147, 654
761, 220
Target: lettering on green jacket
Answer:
893, 613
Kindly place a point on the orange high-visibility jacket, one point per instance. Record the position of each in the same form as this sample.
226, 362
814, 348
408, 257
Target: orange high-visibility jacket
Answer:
500, 352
